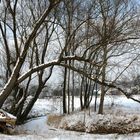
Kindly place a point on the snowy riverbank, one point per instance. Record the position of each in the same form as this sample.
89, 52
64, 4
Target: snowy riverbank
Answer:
38, 129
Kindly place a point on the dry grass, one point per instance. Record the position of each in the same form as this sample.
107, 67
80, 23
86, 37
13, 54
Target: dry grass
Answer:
105, 124
54, 120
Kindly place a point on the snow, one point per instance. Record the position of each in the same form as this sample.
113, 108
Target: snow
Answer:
37, 126
41, 131
72, 136
21, 137
128, 103
42, 107
4, 114
38, 129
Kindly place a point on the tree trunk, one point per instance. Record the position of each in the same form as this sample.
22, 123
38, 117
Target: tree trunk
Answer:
11, 82
68, 90
72, 104
96, 94
103, 80
64, 92
101, 100
23, 117
81, 94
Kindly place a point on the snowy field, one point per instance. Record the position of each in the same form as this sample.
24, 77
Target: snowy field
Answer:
38, 129
47, 106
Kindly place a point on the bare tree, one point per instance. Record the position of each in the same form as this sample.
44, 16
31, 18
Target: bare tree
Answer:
21, 50
77, 35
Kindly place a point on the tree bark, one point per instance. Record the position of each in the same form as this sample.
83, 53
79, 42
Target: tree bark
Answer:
101, 105
64, 92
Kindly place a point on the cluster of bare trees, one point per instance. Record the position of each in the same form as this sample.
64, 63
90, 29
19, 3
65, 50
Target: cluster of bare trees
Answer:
79, 36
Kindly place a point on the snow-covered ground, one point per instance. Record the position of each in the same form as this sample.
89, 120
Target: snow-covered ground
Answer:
38, 129
42, 107
47, 106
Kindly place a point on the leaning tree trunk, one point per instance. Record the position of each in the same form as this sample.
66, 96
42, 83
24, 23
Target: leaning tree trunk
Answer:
14, 76
11, 82
23, 117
